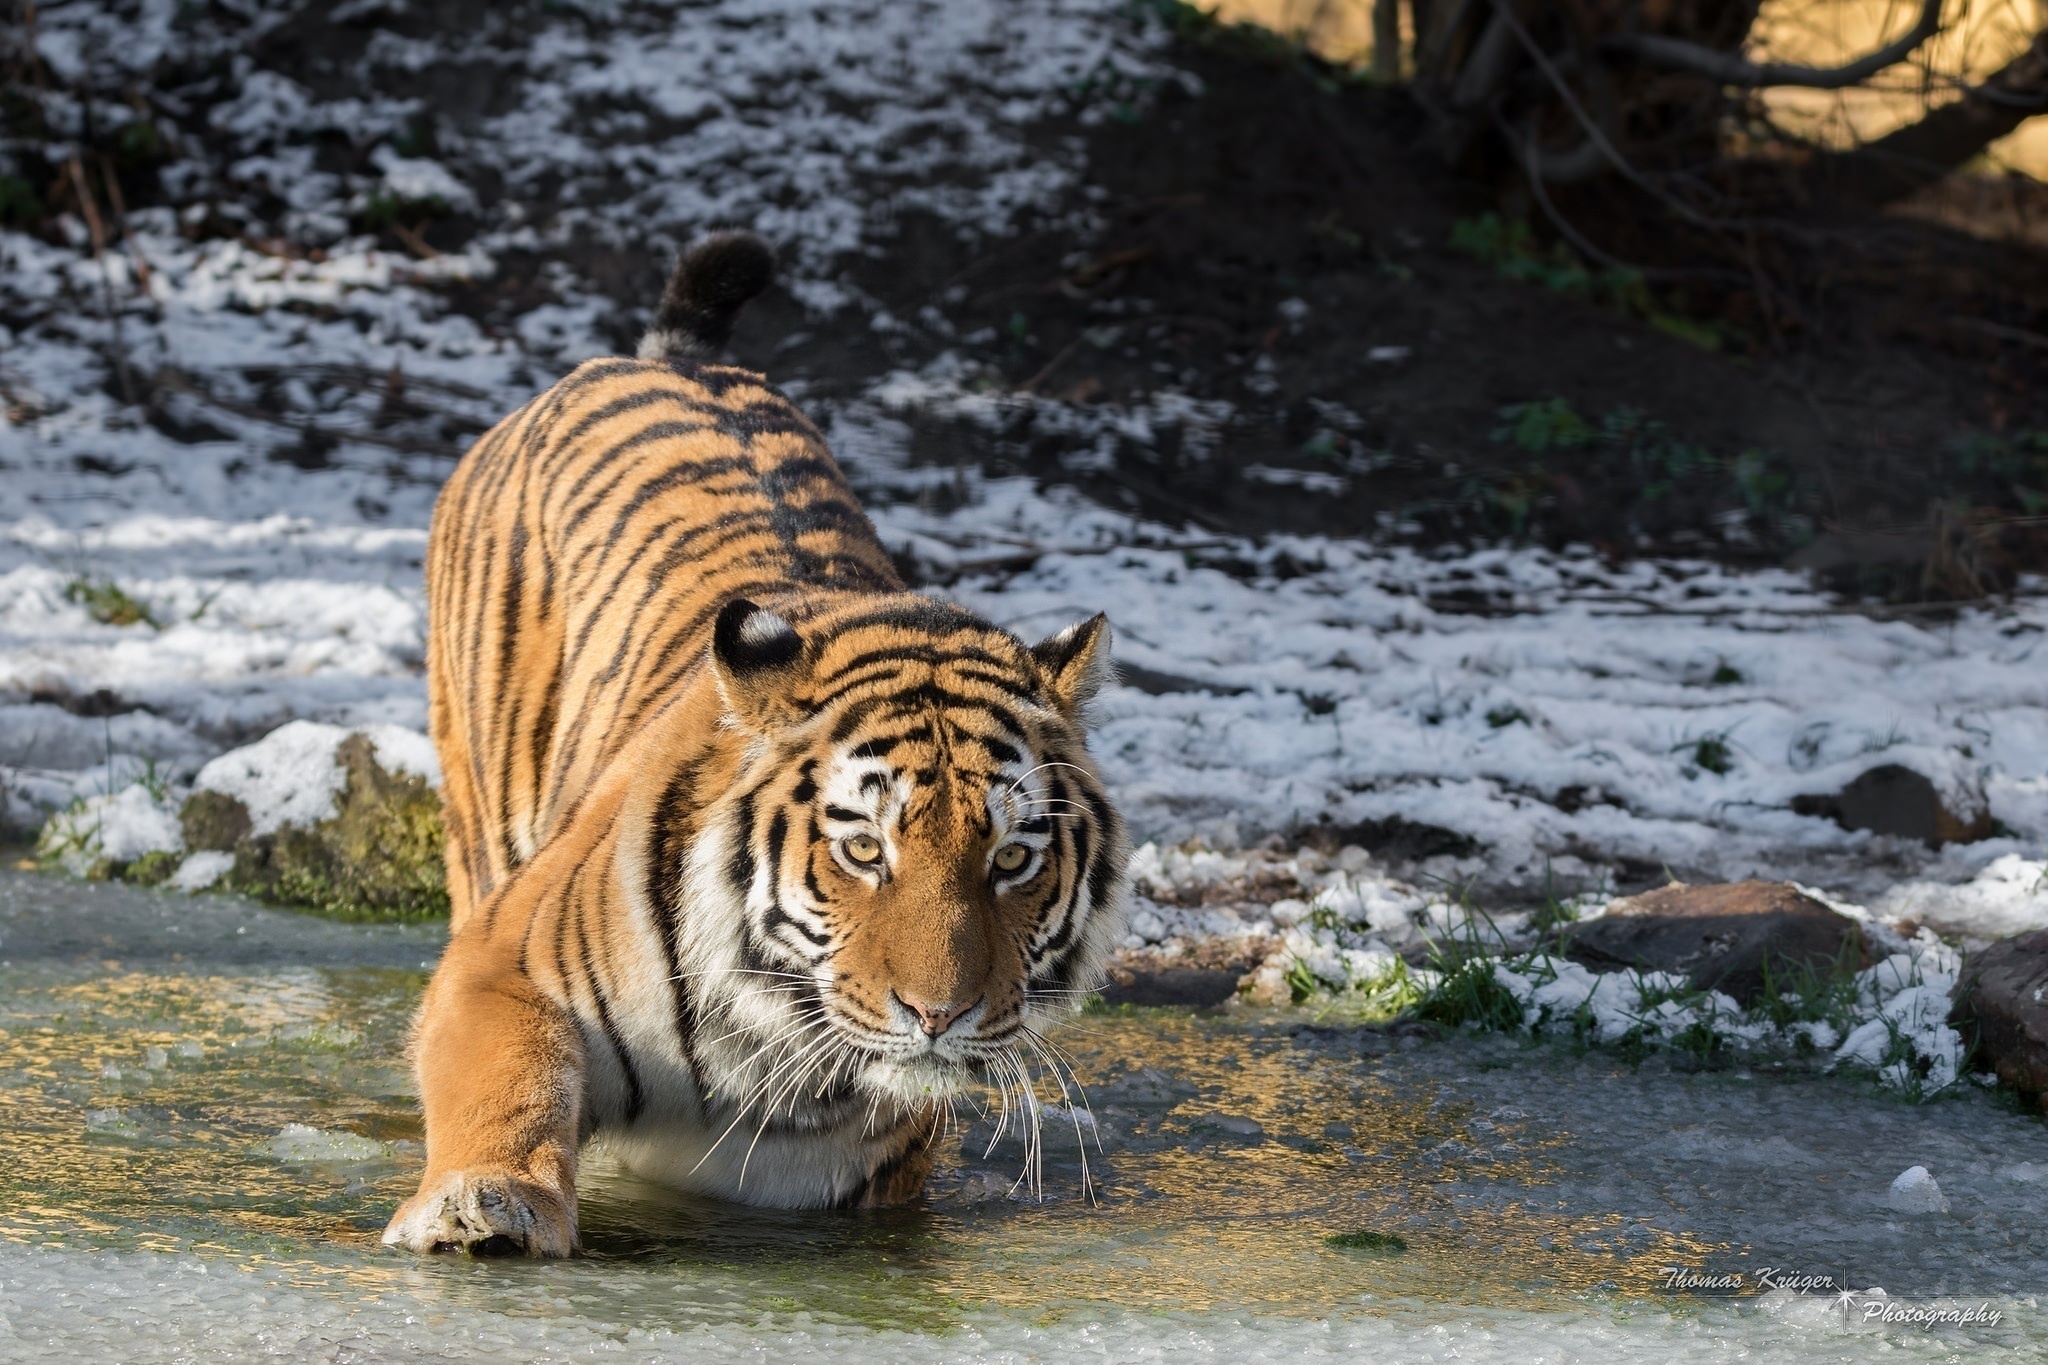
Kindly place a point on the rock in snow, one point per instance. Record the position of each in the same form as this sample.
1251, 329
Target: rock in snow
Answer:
2003, 996
289, 777
1720, 937
1915, 1191
1894, 799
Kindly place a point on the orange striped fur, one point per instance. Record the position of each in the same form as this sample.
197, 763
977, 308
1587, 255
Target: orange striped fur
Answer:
755, 857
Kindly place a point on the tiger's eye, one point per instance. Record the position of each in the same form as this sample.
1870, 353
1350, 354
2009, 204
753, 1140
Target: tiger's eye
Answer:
863, 848
1010, 857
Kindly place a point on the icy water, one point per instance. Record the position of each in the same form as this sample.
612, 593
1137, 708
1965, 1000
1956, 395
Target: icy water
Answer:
207, 1119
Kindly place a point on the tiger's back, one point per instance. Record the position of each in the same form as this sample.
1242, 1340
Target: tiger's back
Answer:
577, 561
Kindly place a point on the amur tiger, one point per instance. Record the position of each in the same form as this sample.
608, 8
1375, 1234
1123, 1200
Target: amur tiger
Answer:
756, 858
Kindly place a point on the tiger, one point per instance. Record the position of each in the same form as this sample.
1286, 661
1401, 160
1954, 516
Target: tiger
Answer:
756, 858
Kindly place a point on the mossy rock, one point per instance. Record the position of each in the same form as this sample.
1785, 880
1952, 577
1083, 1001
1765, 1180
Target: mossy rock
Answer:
213, 822
378, 858
151, 869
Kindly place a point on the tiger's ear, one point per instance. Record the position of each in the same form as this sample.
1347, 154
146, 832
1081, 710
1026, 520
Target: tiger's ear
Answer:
757, 656
1076, 663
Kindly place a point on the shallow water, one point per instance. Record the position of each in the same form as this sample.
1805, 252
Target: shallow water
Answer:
208, 1120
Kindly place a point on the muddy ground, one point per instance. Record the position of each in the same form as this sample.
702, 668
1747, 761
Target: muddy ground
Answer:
1455, 377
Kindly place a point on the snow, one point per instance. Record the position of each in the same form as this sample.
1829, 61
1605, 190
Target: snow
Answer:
120, 828
1916, 1191
201, 870
2009, 896
422, 179
1894, 1023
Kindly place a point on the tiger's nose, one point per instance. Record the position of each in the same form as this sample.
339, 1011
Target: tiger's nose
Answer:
935, 1018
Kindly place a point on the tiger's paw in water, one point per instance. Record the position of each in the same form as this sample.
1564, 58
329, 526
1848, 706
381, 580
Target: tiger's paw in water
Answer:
486, 1213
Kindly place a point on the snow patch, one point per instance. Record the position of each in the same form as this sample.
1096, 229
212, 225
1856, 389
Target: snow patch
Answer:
201, 870
2009, 896
119, 828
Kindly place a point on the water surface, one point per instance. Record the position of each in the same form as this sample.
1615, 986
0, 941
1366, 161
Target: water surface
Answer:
209, 1118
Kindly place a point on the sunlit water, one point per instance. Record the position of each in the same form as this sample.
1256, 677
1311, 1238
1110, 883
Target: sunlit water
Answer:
162, 1060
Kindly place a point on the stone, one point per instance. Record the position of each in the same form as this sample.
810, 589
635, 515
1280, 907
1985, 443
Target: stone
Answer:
1158, 684
378, 857
213, 822
2001, 1000
1720, 936
1895, 800
1195, 987
1916, 1191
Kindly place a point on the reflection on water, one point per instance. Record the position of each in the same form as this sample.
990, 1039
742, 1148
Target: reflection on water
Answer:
145, 1110
136, 1105
156, 1110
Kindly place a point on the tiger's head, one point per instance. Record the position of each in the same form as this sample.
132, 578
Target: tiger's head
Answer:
921, 866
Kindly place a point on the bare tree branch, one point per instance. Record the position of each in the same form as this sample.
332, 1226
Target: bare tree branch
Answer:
1921, 153
1731, 68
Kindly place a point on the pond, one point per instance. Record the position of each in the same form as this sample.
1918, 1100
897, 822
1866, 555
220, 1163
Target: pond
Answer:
208, 1118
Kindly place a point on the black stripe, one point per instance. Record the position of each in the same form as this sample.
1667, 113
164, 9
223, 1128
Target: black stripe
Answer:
739, 867
664, 868
716, 380
635, 1098
508, 650
777, 917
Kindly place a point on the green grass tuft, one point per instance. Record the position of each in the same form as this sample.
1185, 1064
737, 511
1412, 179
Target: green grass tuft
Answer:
107, 604
1713, 755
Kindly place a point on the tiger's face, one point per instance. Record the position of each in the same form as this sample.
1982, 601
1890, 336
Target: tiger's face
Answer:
926, 869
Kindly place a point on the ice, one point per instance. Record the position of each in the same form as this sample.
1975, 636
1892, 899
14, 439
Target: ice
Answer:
224, 1202
297, 1142
147, 1307
1915, 1191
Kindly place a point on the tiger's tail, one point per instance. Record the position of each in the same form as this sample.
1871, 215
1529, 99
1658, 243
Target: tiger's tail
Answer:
712, 281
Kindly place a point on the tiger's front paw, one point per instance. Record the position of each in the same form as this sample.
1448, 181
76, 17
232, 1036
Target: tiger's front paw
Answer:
486, 1213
